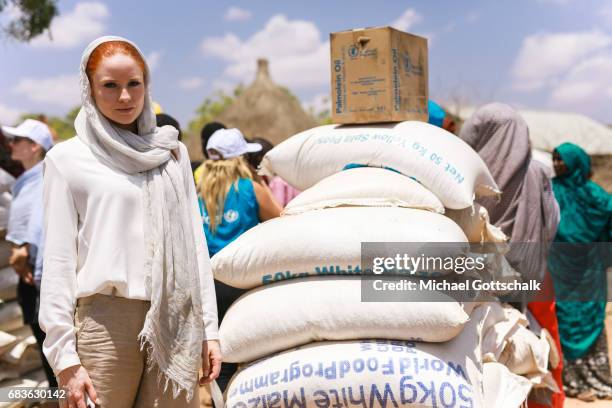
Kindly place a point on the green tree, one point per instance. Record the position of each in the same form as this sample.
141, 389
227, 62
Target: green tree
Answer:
63, 126
212, 107
34, 17
322, 117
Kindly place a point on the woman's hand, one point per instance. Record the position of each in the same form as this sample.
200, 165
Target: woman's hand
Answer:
77, 383
211, 361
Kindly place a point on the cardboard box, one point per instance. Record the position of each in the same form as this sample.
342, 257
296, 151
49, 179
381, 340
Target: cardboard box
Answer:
378, 75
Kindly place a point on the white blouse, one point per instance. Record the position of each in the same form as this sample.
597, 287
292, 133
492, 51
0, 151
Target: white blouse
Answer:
95, 243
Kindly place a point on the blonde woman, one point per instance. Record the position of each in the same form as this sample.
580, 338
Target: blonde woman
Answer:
231, 202
127, 295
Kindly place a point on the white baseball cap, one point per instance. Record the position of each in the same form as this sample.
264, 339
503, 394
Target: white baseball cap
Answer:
229, 143
34, 130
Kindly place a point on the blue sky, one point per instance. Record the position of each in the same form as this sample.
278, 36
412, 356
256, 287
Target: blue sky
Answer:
541, 54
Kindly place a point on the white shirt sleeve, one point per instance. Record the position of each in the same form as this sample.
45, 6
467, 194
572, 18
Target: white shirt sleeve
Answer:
207, 286
59, 283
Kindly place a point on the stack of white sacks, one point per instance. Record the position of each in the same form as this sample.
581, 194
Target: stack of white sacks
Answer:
303, 334
20, 362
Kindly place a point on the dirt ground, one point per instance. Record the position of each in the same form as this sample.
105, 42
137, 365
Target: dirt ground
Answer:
572, 403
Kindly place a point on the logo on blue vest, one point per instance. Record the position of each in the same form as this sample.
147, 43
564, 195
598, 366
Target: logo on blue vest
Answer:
231, 216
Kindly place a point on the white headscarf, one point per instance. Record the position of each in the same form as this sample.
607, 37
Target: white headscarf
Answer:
174, 327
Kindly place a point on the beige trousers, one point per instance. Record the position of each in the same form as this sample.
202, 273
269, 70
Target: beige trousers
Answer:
107, 344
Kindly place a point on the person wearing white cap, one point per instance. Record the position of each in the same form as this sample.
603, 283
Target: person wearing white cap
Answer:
228, 144
231, 202
127, 294
29, 143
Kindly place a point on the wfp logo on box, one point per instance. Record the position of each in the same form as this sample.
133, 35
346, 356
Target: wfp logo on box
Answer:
354, 52
410, 67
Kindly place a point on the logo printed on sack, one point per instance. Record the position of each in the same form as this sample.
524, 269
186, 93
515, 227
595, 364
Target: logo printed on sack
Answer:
231, 216
353, 51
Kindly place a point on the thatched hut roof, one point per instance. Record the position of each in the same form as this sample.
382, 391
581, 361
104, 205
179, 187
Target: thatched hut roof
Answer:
266, 110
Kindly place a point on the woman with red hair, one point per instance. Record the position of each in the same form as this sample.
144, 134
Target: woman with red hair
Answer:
127, 295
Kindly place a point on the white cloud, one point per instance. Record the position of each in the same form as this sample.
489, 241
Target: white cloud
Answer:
75, 28
8, 115
545, 57
61, 91
407, 20
218, 46
588, 83
573, 69
153, 59
237, 14
191, 83
298, 56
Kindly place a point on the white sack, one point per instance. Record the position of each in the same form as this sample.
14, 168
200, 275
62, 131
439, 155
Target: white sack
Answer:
324, 242
7, 341
502, 321
503, 389
288, 314
22, 358
10, 316
439, 160
5, 253
525, 353
8, 283
16, 354
368, 187
369, 373
507, 340
30, 361
474, 221
5, 206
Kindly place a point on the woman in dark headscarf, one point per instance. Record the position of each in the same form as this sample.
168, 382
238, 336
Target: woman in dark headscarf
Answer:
579, 273
527, 211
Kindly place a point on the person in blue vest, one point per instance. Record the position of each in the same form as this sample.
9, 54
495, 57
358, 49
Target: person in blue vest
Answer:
439, 117
231, 202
